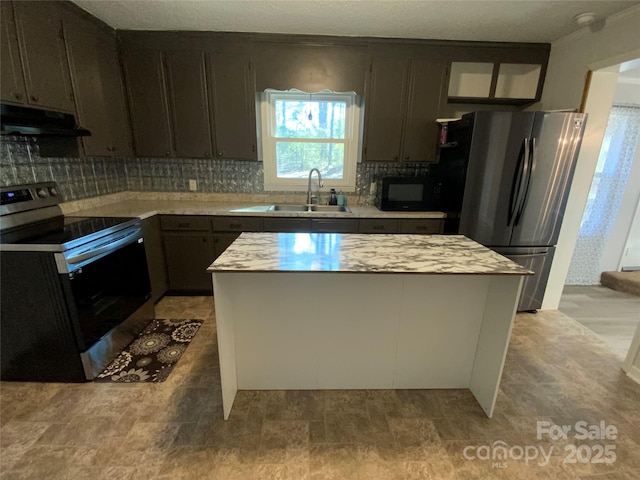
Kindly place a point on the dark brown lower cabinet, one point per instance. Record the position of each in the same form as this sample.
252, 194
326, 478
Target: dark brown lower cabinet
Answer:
221, 241
423, 226
227, 228
193, 242
188, 255
155, 257
281, 224
334, 225
378, 225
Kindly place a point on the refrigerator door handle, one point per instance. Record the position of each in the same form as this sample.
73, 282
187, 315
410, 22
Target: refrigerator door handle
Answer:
516, 183
528, 172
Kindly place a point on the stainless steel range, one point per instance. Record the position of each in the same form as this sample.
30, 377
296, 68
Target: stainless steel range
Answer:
73, 290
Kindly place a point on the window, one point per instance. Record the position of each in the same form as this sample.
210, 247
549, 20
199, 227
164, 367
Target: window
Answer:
301, 131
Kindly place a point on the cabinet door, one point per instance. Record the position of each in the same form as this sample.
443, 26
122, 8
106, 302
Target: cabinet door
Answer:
385, 101
233, 95
423, 107
119, 125
81, 40
221, 241
12, 87
188, 256
189, 105
44, 59
155, 257
148, 103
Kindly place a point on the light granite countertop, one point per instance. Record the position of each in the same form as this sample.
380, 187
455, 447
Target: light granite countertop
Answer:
360, 253
143, 208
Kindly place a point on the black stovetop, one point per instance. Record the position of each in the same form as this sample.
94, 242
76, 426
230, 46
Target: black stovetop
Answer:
68, 232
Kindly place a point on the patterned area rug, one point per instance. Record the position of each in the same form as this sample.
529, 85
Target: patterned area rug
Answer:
153, 354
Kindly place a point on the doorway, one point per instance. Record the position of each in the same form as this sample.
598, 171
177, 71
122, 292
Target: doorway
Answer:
607, 235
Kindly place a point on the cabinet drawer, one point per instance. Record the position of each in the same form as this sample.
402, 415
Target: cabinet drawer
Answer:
334, 225
185, 222
237, 224
287, 224
378, 226
426, 226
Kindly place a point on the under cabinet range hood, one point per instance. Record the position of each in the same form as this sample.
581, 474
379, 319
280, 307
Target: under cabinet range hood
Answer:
16, 120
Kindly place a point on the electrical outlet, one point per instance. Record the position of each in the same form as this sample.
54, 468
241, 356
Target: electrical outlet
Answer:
193, 185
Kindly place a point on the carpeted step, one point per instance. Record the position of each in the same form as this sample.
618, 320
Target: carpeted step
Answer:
628, 282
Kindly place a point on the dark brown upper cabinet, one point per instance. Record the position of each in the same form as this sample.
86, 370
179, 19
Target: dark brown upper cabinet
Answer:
425, 101
43, 55
233, 100
146, 88
384, 108
168, 102
187, 91
403, 99
12, 88
115, 96
97, 84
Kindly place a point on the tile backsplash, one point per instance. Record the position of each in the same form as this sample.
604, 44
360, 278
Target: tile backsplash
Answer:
79, 178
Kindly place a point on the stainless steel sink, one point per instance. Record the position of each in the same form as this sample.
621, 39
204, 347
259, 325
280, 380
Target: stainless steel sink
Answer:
288, 208
329, 208
309, 208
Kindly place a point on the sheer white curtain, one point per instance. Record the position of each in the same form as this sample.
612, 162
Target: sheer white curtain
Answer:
605, 195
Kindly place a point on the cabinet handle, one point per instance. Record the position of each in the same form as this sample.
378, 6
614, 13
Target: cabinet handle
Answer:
207, 154
183, 225
18, 96
35, 98
168, 153
406, 157
378, 227
395, 157
235, 225
220, 154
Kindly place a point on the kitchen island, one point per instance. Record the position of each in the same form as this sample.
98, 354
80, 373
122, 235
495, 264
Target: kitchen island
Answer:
354, 311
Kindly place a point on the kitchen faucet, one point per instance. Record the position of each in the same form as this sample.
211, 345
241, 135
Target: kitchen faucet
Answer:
310, 197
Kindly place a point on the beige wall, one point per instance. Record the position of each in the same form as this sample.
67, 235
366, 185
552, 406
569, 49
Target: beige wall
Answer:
615, 41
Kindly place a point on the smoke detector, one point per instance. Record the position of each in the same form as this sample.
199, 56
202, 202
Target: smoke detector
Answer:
585, 19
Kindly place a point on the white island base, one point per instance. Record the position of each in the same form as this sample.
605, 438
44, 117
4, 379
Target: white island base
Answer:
310, 330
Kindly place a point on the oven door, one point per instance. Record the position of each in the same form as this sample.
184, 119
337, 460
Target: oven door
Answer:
107, 283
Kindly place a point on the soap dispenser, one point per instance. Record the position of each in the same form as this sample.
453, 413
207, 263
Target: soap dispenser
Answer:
333, 200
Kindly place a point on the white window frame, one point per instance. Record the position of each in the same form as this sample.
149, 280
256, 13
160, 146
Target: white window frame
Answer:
267, 128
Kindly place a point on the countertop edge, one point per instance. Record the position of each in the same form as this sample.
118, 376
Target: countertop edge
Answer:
148, 208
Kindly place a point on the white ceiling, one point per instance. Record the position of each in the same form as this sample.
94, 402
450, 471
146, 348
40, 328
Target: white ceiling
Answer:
495, 20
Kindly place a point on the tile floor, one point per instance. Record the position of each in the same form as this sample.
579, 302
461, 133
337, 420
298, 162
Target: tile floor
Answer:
556, 371
613, 315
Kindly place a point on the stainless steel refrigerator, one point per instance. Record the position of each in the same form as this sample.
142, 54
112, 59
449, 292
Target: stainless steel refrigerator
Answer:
505, 178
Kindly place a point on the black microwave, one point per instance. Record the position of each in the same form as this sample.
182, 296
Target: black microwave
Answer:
408, 194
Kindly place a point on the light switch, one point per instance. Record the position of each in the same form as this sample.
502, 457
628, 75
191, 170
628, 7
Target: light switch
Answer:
193, 185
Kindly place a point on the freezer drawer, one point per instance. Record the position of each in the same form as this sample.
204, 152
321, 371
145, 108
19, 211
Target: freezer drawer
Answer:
538, 260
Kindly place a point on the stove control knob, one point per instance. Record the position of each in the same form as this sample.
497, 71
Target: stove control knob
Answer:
53, 191
42, 193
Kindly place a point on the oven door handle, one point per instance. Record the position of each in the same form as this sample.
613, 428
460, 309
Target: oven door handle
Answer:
120, 241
